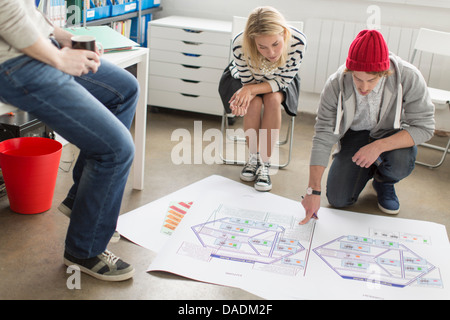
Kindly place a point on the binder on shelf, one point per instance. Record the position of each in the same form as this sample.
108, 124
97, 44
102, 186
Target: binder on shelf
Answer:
122, 7
145, 19
101, 9
111, 40
55, 10
123, 27
98, 9
147, 4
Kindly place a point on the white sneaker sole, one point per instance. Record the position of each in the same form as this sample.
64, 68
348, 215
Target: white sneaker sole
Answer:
393, 212
262, 188
247, 178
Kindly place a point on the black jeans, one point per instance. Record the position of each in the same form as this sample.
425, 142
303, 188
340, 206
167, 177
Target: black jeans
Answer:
346, 180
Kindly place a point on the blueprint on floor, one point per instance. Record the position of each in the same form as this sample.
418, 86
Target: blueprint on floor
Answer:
226, 233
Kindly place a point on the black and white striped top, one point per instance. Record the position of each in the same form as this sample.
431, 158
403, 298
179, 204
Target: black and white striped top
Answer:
282, 76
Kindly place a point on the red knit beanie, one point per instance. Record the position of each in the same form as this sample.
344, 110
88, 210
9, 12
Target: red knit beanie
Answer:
368, 52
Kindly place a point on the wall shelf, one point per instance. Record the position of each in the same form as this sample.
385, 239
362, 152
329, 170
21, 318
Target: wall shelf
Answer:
123, 16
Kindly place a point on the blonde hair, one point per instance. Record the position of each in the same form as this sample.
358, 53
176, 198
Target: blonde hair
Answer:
264, 21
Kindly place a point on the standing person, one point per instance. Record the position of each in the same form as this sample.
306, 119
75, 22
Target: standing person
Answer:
91, 103
377, 109
262, 76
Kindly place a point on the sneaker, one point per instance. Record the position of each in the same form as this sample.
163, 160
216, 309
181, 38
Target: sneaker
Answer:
262, 181
387, 199
66, 208
248, 173
105, 266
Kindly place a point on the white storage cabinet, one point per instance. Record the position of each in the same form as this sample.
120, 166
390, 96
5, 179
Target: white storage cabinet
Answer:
187, 58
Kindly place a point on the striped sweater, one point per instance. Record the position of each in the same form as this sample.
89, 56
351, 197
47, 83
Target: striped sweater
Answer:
282, 76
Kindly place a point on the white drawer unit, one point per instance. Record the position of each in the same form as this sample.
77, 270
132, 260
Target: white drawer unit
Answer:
187, 58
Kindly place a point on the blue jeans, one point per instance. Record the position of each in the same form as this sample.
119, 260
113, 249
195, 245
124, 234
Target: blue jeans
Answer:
93, 112
346, 180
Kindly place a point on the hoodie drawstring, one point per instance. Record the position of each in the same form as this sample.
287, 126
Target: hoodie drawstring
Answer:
398, 111
339, 114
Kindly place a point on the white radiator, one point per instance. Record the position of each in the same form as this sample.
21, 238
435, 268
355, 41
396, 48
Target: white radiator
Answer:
327, 49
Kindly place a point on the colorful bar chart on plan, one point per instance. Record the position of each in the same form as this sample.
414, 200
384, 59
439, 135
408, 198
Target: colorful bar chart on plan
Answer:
175, 213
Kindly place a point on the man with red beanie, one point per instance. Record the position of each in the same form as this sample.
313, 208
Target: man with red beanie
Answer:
377, 109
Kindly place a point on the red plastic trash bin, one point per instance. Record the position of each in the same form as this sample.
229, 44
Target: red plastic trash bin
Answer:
30, 167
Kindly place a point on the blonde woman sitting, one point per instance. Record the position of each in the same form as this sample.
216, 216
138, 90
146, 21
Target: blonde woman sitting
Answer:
263, 75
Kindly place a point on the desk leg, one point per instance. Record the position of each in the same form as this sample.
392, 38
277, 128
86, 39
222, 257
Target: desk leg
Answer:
140, 124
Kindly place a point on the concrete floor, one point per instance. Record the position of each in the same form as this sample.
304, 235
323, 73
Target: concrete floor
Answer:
31, 246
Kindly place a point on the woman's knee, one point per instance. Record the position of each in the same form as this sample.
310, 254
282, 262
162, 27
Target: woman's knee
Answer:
255, 106
273, 101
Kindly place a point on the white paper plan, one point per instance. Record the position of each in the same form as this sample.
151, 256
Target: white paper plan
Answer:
236, 236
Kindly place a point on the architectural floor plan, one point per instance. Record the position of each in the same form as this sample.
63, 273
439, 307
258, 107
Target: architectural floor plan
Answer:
259, 238
378, 260
235, 236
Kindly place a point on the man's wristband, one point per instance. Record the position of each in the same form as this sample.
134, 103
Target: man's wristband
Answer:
310, 191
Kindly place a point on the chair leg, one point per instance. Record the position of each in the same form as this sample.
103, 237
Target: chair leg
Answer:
445, 151
289, 138
280, 143
225, 136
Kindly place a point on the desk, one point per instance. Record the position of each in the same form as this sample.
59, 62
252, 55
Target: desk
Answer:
139, 56
125, 59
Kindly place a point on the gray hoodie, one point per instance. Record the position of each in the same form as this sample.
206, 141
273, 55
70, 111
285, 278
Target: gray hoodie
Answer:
405, 105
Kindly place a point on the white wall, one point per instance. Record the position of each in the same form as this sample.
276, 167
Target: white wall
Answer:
391, 14
353, 10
